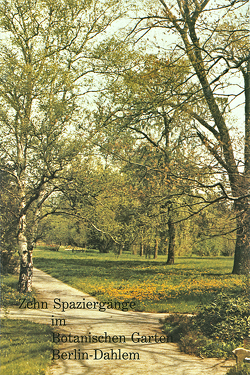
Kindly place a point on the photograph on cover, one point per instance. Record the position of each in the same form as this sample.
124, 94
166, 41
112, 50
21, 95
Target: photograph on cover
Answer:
125, 187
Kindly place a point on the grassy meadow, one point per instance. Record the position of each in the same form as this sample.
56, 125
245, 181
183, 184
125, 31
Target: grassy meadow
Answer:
151, 284
25, 346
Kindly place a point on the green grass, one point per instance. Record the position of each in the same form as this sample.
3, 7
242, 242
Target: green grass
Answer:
25, 347
9, 294
151, 284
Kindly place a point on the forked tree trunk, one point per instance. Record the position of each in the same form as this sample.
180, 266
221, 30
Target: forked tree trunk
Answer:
171, 243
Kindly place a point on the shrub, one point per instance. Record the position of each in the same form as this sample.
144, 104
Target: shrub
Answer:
227, 318
245, 370
9, 262
218, 349
217, 329
176, 326
192, 342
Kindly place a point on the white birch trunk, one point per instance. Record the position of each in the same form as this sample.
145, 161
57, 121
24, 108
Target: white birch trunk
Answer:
26, 262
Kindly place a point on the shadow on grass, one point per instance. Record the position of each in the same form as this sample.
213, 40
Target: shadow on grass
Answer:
120, 269
26, 347
190, 281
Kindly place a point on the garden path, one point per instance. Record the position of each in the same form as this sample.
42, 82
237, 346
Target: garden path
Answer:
160, 358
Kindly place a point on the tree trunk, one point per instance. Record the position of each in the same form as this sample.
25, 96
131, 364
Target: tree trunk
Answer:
242, 246
147, 251
141, 249
171, 243
25, 251
156, 248
26, 264
25, 247
121, 247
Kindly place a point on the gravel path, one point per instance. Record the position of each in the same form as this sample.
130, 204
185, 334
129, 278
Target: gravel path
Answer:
108, 358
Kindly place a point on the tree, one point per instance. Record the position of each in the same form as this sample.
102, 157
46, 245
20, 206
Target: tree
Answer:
149, 136
47, 58
100, 196
216, 45
63, 230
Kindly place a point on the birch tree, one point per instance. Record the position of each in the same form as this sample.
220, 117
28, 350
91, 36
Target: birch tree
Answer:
47, 59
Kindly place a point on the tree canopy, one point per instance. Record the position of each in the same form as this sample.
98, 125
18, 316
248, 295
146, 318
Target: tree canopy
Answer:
202, 74
131, 134
47, 58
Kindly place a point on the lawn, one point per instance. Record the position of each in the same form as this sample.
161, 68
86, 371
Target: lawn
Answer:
25, 347
151, 284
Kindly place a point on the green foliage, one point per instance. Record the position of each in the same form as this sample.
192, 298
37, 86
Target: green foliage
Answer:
108, 210
244, 370
63, 230
217, 329
9, 294
192, 340
227, 318
198, 344
8, 222
100, 241
177, 325
9, 261
47, 63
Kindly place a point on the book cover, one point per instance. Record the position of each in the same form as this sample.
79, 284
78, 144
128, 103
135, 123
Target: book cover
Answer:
125, 164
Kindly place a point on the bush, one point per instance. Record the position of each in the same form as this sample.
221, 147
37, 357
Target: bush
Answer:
176, 326
227, 318
192, 342
245, 370
216, 330
218, 349
9, 262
